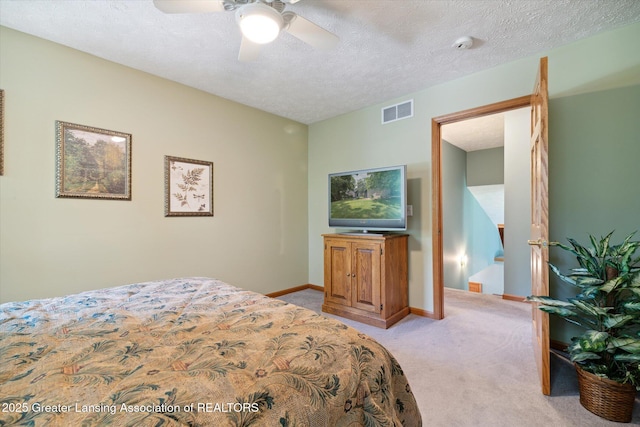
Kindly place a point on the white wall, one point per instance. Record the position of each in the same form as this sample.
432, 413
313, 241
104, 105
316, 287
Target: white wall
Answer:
358, 139
517, 189
455, 240
51, 246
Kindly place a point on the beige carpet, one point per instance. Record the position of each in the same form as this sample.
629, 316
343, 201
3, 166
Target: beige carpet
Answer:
476, 367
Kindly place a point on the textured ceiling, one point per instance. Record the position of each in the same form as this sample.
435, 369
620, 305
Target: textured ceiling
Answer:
476, 134
387, 48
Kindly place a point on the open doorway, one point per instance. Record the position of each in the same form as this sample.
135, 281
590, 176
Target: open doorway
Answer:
473, 203
437, 173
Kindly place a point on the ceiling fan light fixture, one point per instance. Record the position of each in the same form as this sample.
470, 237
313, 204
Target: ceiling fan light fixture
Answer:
259, 23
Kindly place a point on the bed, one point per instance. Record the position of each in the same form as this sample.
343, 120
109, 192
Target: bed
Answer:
192, 352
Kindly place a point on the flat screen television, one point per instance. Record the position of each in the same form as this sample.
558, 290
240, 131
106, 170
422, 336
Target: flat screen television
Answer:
369, 199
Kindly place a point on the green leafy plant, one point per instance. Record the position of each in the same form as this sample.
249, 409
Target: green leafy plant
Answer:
607, 306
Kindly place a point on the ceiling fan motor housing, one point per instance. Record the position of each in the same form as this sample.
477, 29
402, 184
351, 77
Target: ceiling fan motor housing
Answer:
261, 22
236, 4
277, 5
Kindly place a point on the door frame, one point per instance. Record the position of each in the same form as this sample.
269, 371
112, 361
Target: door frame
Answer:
436, 185
538, 239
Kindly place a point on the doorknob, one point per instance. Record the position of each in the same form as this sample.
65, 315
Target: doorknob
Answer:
542, 243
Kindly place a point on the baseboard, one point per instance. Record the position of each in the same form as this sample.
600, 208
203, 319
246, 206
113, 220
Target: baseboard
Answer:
558, 345
421, 312
514, 298
412, 310
295, 289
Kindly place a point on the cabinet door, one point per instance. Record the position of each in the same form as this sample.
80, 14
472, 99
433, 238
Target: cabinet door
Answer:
365, 276
337, 272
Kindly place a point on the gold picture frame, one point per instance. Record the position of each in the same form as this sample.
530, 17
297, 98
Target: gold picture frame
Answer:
92, 163
188, 187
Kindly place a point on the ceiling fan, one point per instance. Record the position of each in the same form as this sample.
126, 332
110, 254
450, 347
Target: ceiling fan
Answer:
260, 21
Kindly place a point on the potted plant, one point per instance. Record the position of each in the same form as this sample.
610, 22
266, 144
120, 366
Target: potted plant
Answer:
607, 307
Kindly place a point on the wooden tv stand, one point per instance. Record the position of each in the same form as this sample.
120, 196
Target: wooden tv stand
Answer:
366, 277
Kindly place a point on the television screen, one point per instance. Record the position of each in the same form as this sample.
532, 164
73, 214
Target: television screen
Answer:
369, 199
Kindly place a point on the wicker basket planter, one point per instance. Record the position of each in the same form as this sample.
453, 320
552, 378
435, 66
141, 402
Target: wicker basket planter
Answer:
606, 398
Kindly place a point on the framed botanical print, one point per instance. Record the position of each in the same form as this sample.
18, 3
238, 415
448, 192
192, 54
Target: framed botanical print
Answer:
92, 163
188, 187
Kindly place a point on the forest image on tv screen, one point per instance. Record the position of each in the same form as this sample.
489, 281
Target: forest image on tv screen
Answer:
373, 195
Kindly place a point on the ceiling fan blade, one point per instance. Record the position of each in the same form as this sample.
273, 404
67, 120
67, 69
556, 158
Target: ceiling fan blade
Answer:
189, 6
248, 50
309, 32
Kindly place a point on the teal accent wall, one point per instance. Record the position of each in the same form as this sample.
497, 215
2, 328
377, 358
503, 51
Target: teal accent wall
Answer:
594, 174
482, 237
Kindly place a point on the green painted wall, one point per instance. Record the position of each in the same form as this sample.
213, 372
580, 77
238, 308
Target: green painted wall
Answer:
49, 246
485, 167
357, 140
263, 174
594, 173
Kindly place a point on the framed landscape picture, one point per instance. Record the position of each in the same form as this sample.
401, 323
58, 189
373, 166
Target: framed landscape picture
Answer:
92, 163
188, 187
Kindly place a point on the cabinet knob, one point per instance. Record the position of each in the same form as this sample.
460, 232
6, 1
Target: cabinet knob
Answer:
348, 274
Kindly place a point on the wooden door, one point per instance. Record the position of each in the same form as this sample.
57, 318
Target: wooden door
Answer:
540, 222
337, 272
365, 276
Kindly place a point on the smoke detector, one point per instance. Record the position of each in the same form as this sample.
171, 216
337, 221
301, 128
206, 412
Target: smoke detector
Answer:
463, 43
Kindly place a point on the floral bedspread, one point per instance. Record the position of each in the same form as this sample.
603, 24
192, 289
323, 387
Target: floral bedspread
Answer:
191, 352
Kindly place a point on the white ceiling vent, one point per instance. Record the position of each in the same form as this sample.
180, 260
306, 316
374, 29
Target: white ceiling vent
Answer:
404, 110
